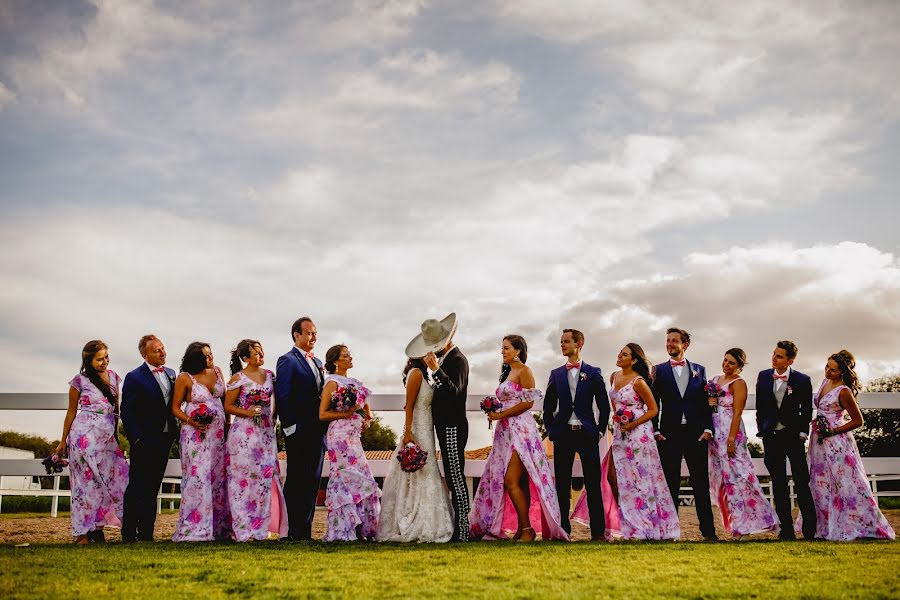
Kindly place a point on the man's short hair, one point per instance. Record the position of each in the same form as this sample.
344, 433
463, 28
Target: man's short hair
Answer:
685, 336
789, 347
142, 344
297, 327
577, 336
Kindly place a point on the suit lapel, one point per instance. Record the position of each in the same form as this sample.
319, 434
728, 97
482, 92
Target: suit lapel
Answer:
690, 374
665, 369
150, 382
581, 380
562, 385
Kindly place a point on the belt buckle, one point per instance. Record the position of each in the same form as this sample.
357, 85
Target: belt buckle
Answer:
574, 427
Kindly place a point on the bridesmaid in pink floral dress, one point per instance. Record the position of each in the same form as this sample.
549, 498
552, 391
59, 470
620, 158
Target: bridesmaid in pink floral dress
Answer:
98, 472
517, 493
251, 453
352, 497
204, 514
646, 509
845, 506
733, 486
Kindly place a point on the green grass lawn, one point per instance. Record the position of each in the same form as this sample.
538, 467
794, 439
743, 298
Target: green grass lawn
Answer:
495, 570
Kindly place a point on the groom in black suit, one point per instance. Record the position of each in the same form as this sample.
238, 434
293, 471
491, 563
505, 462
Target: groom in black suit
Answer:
574, 388
150, 428
783, 414
298, 385
684, 425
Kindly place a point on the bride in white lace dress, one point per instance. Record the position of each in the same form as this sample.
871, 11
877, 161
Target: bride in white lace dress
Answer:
415, 507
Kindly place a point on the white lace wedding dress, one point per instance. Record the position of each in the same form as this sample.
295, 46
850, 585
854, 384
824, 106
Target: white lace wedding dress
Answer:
415, 507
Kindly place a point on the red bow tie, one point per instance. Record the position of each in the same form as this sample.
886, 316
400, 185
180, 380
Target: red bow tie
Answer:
159, 370
571, 366
677, 363
310, 356
781, 377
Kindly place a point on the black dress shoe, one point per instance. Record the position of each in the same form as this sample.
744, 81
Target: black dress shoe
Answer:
710, 538
787, 536
96, 536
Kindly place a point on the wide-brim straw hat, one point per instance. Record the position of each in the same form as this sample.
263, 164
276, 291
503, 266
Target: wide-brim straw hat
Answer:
435, 335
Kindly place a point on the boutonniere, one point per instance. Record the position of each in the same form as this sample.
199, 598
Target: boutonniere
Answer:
695, 373
789, 390
583, 376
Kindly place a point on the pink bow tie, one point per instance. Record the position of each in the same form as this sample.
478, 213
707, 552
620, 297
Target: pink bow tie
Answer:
571, 366
781, 377
677, 363
159, 370
310, 356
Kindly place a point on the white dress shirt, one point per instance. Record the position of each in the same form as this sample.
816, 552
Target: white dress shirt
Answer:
572, 375
163, 380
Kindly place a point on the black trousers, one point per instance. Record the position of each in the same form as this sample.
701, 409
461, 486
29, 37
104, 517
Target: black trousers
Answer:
778, 448
305, 456
683, 443
564, 449
452, 441
149, 457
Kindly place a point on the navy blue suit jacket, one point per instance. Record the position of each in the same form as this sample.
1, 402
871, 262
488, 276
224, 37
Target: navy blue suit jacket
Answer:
796, 408
590, 389
297, 393
694, 406
145, 411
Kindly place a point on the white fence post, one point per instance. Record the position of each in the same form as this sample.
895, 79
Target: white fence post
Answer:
54, 503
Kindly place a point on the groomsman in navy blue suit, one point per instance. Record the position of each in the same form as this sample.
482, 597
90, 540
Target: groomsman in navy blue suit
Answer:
783, 414
574, 388
684, 425
150, 428
298, 386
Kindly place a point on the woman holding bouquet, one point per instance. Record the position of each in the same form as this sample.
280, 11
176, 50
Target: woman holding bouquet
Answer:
415, 506
197, 403
98, 472
517, 492
352, 496
733, 486
251, 453
845, 506
646, 509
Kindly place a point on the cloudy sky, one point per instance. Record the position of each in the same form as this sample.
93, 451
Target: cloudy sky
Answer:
212, 171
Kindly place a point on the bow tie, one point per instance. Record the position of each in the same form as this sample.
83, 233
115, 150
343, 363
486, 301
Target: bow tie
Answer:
781, 377
677, 363
571, 366
159, 370
310, 356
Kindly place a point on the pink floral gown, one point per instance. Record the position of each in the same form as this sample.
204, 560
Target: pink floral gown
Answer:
493, 515
845, 506
352, 497
204, 513
581, 513
733, 486
646, 510
98, 471
251, 462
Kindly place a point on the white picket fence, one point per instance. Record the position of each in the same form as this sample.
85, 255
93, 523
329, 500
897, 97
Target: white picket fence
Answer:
878, 469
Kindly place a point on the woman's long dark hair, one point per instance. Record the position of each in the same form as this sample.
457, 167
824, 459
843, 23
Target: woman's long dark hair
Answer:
641, 365
194, 361
517, 342
847, 363
242, 352
88, 353
415, 363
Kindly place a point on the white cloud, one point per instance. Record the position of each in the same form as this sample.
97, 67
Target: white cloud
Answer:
7, 96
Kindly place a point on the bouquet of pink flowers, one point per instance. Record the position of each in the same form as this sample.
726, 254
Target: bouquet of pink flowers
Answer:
822, 428
257, 397
348, 397
412, 458
491, 404
54, 464
202, 416
623, 416
714, 390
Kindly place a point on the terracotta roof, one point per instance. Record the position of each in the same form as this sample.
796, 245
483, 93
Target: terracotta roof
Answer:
478, 454
379, 454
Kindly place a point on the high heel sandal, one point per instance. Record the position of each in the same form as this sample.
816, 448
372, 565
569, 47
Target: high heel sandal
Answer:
524, 529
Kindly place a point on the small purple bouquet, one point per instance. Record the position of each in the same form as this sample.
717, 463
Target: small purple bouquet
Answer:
202, 416
714, 390
347, 397
54, 464
623, 416
257, 397
412, 458
489, 405
822, 428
